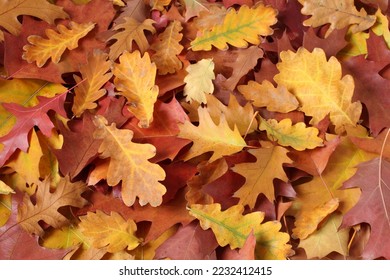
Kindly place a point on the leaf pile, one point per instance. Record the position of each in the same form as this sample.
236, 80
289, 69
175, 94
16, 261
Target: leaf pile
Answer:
169, 129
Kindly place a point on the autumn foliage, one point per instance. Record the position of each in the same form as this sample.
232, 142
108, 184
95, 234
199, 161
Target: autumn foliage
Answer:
194, 129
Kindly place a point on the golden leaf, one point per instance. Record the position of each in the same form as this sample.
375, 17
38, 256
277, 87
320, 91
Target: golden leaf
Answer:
233, 228
339, 13
109, 230
135, 80
199, 80
319, 87
10, 10
159, 4
330, 237
5, 189
129, 164
297, 136
381, 27
235, 114
42, 49
47, 205
96, 74
209, 137
167, 47
128, 31
259, 175
238, 29
266, 95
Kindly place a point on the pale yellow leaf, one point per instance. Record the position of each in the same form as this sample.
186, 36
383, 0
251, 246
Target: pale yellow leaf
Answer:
199, 81
5, 189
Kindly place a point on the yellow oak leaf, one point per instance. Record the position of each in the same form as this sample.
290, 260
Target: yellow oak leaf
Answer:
231, 227
297, 136
159, 4
266, 95
238, 29
329, 238
26, 164
259, 175
338, 13
109, 230
199, 80
322, 189
94, 75
135, 80
129, 31
319, 87
235, 114
5, 189
357, 44
41, 50
47, 204
381, 27
129, 164
309, 221
23, 92
10, 10
167, 47
209, 137
66, 237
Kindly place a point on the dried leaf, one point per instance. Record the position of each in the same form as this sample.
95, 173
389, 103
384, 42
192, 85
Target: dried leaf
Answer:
208, 136
135, 79
238, 29
129, 164
110, 231
47, 205
199, 81
41, 50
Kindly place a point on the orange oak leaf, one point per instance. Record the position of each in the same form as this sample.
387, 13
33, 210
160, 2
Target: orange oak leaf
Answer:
47, 205
129, 164
96, 74
41, 49
135, 79
259, 175
209, 137
10, 10
127, 31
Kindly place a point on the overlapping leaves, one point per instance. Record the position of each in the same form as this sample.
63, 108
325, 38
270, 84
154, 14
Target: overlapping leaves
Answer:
194, 130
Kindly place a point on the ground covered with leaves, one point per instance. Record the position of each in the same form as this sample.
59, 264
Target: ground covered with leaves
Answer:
194, 129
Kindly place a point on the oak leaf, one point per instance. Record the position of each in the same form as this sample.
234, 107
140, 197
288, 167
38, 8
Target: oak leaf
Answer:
235, 114
373, 207
209, 137
41, 50
297, 136
10, 10
210, 17
327, 187
238, 29
129, 164
381, 27
24, 92
27, 118
128, 31
110, 231
266, 95
94, 75
329, 238
319, 87
232, 228
167, 47
5, 189
135, 79
194, 7
259, 175
199, 81
47, 205
339, 14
